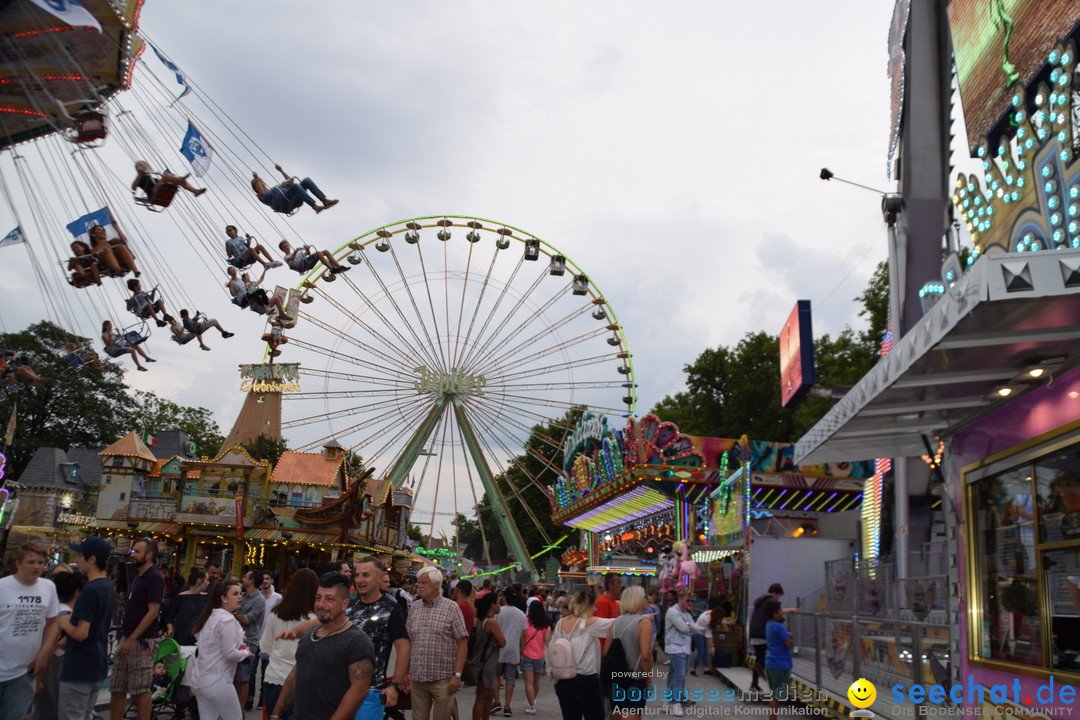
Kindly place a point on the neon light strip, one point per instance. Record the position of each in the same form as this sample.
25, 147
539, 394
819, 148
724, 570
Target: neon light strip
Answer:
821, 501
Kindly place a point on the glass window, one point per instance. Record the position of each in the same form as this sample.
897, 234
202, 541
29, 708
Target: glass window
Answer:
1062, 567
1057, 478
1005, 548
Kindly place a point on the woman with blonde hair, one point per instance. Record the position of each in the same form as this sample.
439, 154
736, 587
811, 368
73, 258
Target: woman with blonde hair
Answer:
634, 630
581, 696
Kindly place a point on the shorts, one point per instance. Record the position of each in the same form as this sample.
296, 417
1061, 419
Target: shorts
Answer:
133, 673
246, 668
305, 264
535, 665
778, 681
508, 672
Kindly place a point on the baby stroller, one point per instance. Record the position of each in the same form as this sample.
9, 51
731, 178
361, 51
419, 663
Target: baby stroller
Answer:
171, 700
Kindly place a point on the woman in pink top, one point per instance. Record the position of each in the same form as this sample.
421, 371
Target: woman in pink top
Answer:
534, 640
220, 641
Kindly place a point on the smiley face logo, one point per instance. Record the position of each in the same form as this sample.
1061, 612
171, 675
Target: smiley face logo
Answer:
862, 693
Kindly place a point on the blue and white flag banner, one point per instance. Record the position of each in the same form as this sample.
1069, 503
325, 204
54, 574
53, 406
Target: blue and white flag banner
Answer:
81, 228
70, 11
197, 151
172, 66
14, 237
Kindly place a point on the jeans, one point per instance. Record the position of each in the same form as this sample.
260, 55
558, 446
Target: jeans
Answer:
760, 649
580, 697
701, 652
16, 695
285, 199
270, 695
676, 679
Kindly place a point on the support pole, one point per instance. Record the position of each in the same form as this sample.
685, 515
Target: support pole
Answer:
400, 472
498, 503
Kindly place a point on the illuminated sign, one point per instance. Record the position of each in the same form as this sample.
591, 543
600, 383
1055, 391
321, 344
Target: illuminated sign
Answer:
589, 429
270, 378
454, 382
997, 44
796, 355
71, 518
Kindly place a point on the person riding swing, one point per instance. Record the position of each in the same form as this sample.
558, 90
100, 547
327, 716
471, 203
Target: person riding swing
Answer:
287, 197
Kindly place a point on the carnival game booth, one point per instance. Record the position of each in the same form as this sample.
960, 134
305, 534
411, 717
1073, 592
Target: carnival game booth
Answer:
992, 370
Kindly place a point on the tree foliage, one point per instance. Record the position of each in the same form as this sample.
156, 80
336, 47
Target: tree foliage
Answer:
265, 447
735, 391
154, 414
77, 407
84, 407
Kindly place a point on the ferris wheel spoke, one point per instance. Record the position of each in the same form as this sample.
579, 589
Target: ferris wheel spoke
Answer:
397, 348
497, 351
392, 430
419, 343
566, 406
521, 418
479, 303
432, 338
483, 336
344, 412
513, 460
373, 430
461, 306
560, 386
560, 347
329, 375
337, 355
342, 335
566, 366
444, 425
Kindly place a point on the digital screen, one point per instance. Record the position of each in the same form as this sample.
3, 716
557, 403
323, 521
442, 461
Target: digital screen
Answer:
997, 42
796, 355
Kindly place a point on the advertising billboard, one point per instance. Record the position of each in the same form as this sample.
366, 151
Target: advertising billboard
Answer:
796, 355
996, 43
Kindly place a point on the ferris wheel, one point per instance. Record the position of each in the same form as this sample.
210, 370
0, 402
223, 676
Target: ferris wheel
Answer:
437, 354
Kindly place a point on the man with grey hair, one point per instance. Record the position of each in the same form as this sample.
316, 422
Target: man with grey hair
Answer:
439, 643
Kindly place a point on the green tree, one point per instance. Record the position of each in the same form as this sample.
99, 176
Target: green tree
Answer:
735, 391
416, 534
77, 407
265, 447
154, 414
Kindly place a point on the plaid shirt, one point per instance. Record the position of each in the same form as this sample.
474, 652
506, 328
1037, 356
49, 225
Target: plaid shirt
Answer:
434, 630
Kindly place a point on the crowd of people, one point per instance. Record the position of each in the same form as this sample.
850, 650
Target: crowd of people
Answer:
338, 642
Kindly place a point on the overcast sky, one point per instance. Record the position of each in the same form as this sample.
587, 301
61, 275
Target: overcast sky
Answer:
672, 150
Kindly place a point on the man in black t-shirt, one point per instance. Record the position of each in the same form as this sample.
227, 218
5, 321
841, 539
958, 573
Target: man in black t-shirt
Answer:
334, 661
381, 618
133, 671
86, 660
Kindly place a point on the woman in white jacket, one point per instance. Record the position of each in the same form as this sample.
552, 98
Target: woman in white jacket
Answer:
220, 641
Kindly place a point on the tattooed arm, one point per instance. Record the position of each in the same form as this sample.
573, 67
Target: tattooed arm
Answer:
360, 674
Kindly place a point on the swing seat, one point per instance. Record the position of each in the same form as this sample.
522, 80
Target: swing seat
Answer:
182, 339
80, 356
162, 197
90, 127
80, 281
135, 334
241, 263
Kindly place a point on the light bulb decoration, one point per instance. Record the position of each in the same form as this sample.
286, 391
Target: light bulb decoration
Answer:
1029, 198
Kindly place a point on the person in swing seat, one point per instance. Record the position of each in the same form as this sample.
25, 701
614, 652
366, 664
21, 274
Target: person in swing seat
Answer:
113, 254
83, 265
147, 305
12, 363
146, 181
245, 251
247, 293
289, 196
116, 345
305, 257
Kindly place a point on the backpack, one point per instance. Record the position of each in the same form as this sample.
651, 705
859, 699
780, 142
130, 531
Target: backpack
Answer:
614, 667
560, 656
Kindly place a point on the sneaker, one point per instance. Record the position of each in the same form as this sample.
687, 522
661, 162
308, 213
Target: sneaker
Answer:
317, 208
496, 707
508, 713
226, 335
203, 347
150, 360
275, 264
676, 710
531, 710
142, 368
694, 673
328, 203
161, 323
344, 268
